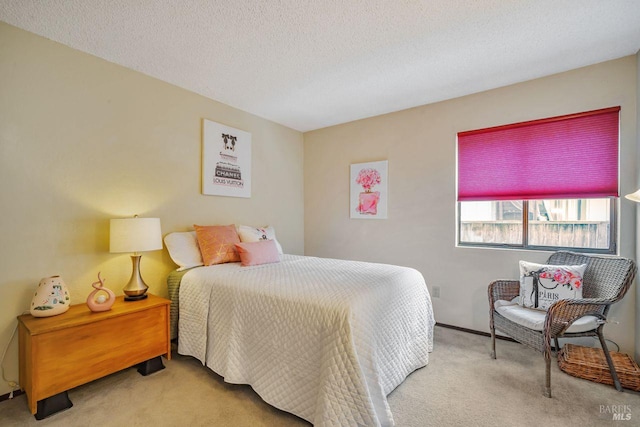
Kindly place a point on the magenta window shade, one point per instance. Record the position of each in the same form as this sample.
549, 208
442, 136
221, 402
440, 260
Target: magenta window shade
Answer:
573, 156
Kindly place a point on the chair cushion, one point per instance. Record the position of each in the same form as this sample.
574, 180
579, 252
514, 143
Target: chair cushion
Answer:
534, 319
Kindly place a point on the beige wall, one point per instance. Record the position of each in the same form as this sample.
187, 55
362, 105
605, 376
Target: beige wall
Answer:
420, 144
83, 140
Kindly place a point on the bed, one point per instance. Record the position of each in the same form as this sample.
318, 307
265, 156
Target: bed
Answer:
324, 339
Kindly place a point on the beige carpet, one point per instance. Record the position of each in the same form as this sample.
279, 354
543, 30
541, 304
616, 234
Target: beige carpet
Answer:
461, 386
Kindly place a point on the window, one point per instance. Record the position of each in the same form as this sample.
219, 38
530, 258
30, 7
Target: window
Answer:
577, 224
545, 184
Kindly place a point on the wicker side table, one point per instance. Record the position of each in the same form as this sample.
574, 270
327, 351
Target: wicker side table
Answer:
590, 363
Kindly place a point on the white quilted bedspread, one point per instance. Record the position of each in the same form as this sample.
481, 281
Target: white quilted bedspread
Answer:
324, 339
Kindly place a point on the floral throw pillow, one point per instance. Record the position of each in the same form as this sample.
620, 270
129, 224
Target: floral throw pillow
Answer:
542, 285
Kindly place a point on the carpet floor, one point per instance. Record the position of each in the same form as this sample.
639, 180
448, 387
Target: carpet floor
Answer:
461, 386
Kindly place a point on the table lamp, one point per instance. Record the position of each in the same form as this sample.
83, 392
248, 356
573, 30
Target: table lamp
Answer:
135, 235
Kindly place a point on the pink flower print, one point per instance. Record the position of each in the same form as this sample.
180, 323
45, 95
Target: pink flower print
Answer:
368, 178
263, 233
576, 282
562, 276
546, 274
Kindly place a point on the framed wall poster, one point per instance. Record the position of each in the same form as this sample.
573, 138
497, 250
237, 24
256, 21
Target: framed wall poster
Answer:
369, 190
226, 160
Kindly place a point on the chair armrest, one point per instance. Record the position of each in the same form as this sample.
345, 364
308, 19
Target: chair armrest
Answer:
563, 313
503, 290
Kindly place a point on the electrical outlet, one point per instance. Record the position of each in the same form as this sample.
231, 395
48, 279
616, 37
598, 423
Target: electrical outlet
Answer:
435, 291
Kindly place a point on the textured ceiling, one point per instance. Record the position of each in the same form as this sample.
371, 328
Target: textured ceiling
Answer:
310, 64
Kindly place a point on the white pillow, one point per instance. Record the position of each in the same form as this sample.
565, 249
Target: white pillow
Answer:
542, 285
183, 249
255, 234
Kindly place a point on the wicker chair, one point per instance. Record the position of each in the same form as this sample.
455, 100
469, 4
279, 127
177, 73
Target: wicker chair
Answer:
606, 280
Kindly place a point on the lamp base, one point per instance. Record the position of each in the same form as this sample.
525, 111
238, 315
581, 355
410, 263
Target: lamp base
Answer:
136, 289
135, 297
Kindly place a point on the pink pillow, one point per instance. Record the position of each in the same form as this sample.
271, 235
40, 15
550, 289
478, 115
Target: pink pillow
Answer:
256, 253
216, 243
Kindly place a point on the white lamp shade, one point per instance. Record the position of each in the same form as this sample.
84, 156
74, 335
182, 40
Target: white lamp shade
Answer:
135, 235
634, 197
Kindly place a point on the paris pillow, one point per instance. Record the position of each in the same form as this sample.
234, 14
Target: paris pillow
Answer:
542, 285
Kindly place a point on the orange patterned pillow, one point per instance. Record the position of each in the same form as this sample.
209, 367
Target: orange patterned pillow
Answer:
217, 243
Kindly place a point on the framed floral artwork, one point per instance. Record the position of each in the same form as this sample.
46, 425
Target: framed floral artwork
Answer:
226, 160
369, 190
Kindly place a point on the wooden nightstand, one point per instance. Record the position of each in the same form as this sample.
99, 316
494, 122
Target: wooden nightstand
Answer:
61, 352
